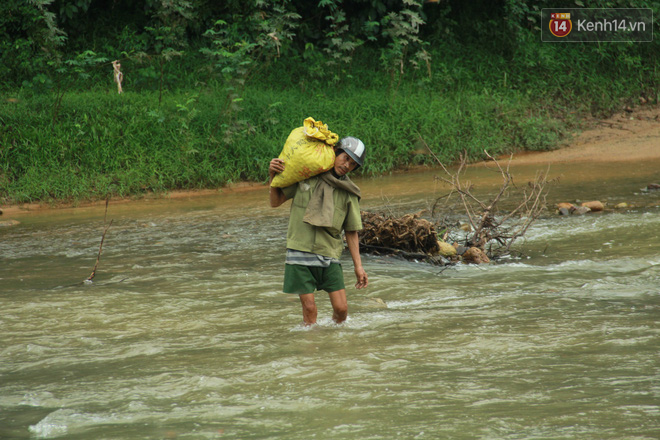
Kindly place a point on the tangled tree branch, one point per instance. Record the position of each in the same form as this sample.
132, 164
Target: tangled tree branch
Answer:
489, 226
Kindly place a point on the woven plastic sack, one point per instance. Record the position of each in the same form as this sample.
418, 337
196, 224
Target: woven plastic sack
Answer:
307, 152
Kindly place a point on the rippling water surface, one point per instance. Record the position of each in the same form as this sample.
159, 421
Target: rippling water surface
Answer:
185, 332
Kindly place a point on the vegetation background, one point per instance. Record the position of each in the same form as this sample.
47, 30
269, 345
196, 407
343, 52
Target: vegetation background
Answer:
212, 89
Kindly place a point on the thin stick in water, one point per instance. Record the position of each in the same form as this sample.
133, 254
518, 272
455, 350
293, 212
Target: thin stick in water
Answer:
105, 231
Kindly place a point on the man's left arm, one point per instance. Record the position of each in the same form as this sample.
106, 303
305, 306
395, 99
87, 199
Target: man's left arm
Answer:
354, 248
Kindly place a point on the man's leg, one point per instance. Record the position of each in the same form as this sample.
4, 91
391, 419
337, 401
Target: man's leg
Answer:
308, 308
339, 305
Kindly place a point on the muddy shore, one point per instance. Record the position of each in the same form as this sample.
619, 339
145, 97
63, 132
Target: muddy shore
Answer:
628, 136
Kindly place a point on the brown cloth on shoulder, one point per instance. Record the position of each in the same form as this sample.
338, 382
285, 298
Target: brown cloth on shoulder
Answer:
321, 208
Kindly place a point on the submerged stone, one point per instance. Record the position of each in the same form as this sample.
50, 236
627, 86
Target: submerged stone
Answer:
582, 210
8, 223
460, 250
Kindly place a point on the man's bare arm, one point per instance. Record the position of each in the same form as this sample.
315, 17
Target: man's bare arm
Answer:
354, 248
276, 195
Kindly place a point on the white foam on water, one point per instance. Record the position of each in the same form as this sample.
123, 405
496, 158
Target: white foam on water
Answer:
407, 304
49, 428
38, 399
63, 421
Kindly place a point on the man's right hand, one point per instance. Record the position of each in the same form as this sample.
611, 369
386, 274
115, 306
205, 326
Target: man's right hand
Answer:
276, 166
276, 195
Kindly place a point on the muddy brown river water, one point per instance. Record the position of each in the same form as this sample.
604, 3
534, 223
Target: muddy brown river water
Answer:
185, 333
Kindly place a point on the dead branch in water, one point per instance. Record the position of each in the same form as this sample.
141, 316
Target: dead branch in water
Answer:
488, 226
105, 231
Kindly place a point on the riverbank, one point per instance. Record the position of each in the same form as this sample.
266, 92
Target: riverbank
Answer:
241, 187
628, 136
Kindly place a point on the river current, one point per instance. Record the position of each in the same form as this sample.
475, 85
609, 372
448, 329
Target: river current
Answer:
184, 332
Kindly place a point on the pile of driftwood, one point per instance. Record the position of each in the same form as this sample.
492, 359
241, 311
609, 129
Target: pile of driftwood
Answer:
408, 236
413, 238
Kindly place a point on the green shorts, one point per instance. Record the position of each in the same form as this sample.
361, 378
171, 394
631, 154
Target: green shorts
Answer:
308, 279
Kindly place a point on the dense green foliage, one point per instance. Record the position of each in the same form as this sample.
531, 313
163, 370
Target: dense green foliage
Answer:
212, 89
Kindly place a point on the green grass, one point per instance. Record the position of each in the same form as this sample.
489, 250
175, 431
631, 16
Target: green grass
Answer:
106, 144
101, 143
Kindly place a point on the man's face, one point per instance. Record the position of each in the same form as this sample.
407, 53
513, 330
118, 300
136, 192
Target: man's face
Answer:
344, 164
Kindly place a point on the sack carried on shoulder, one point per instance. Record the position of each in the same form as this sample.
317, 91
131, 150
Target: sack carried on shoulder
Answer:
307, 152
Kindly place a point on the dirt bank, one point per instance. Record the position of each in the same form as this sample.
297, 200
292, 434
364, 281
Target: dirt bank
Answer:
627, 136
240, 187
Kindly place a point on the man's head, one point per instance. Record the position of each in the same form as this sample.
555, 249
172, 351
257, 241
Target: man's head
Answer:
349, 155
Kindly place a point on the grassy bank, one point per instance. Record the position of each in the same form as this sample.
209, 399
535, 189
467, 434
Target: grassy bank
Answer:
103, 143
95, 143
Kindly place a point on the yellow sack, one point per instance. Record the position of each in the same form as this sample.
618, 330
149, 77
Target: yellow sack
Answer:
307, 152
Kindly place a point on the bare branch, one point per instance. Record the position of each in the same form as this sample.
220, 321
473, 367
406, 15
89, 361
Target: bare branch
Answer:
483, 217
105, 231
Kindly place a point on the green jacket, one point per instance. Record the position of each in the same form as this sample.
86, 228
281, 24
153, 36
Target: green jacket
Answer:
328, 242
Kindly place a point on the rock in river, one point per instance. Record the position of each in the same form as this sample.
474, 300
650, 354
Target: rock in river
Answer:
566, 205
594, 205
446, 250
476, 256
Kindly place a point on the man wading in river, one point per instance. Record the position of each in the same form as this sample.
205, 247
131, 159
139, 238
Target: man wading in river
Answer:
322, 207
